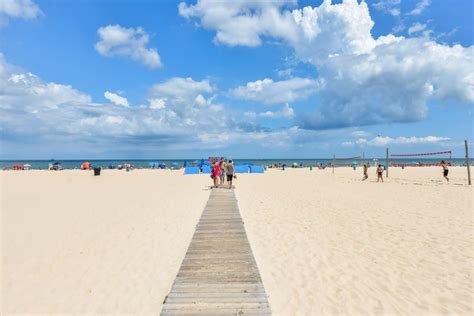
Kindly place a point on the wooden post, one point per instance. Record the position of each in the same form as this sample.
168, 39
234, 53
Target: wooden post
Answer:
467, 163
386, 170
333, 162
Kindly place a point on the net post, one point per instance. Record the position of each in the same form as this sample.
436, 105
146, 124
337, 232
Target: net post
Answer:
386, 171
333, 162
467, 163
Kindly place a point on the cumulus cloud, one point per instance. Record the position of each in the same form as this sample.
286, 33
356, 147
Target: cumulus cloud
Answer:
276, 92
46, 118
420, 7
116, 99
116, 40
241, 22
382, 141
25, 9
366, 80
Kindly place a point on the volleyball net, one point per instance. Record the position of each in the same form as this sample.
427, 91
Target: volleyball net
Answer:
424, 156
347, 161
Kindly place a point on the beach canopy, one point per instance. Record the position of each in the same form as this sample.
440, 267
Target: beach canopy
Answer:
206, 169
257, 169
191, 170
242, 169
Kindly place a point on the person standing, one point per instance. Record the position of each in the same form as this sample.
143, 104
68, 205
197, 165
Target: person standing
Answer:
366, 173
230, 171
222, 166
444, 165
215, 173
379, 173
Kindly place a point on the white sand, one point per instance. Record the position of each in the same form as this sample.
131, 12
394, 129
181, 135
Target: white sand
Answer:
325, 244
78, 244
333, 245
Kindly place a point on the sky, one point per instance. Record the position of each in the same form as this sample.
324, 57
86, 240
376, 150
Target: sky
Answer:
168, 79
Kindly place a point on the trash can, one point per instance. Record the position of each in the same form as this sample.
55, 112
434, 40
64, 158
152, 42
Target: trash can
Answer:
310, 168
96, 171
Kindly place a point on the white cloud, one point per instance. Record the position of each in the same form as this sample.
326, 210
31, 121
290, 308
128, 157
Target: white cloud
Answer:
415, 28
46, 119
420, 7
382, 141
26, 9
241, 22
366, 80
116, 99
388, 6
116, 40
360, 134
276, 92
347, 144
285, 112
157, 103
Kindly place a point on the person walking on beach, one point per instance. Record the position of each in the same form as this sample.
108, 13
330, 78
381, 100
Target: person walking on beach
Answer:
215, 173
366, 174
230, 171
222, 166
379, 173
444, 165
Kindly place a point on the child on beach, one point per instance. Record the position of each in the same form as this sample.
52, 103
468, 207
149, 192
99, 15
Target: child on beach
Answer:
444, 165
366, 174
379, 173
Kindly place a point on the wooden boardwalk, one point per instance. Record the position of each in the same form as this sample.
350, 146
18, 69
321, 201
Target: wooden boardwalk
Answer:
218, 275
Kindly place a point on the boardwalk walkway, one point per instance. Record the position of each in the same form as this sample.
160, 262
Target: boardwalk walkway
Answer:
218, 275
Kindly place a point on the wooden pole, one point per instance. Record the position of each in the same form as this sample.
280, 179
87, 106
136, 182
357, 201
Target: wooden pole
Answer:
467, 163
386, 170
333, 162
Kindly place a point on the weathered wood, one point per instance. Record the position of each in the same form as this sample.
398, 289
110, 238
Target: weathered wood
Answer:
218, 275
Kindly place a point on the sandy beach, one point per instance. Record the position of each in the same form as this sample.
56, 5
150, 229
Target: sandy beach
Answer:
325, 244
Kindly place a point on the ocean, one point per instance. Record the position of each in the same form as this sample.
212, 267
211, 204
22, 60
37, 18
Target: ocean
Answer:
145, 163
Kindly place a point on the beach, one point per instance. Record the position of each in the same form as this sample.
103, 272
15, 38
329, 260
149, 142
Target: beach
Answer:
325, 244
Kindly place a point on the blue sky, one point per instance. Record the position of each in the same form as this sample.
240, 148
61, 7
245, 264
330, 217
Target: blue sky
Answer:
190, 79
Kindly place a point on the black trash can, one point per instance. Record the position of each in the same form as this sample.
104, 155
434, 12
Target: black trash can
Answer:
96, 171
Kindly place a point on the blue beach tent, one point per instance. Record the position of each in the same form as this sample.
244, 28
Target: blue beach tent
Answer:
191, 170
206, 169
242, 169
257, 169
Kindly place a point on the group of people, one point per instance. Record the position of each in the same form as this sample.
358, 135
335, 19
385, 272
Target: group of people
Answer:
221, 171
379, 172
380, 169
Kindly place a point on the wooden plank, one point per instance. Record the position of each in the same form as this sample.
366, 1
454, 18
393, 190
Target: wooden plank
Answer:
218, 275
